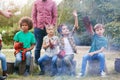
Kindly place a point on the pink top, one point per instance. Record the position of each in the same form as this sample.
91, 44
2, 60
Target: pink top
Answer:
44, 13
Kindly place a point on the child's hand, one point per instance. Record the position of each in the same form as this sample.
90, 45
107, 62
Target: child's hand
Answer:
51, 44
91, 53
75, 13
55, 42
76, 19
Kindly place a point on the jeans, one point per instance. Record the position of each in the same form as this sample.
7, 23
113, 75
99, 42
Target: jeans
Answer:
39, 34
19, 58
45, 58
3, 62
99, 56
66, 61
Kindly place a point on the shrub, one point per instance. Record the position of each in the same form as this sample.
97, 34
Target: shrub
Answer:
112, 32
85, 39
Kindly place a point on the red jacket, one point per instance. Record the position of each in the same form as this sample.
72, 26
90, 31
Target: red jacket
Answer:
19, 47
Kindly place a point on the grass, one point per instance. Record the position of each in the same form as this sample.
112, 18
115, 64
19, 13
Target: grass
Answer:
110, 59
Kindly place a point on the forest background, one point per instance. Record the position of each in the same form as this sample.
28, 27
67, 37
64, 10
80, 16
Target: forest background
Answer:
106, 12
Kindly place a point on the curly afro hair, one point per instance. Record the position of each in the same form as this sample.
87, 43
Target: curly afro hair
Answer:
26, 20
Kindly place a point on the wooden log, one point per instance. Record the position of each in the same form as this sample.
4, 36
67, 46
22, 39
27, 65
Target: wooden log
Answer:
117, 65
94, 68
47, 66
65, 68
10, 67
23, 65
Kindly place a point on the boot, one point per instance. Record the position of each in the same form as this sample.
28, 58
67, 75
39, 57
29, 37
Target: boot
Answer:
16, 70
4, 74
27, 70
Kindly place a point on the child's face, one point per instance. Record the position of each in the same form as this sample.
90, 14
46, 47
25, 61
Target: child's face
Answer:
65, 30
99, 31
24, 27
50, 30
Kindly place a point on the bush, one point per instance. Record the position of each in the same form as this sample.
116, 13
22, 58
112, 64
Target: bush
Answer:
112, 32
85, 39
7, 37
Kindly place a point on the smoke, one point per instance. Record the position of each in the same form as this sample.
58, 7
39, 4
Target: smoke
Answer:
113, 43
58, 78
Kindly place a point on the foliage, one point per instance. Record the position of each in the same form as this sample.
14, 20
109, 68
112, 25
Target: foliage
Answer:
64, 11
113, 31
7, 35
10, 26
105, 12
99, 11
85, 39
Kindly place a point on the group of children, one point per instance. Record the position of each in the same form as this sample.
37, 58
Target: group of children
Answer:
57, 49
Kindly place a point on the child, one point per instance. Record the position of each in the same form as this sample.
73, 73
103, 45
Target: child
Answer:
3, 60
99, 43
50, 43
24, 42
67, 46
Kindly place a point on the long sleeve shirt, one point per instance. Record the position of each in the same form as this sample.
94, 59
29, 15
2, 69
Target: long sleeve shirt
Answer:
44, 13
98, 42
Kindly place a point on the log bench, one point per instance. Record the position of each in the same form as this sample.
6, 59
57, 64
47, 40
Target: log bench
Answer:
10, 67
47, 67
117, 65
65, 70
93, 67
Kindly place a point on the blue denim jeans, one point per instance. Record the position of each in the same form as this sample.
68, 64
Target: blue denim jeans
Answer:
99, 56
19, 58
66, 61
45, 58
3, 62
39, 34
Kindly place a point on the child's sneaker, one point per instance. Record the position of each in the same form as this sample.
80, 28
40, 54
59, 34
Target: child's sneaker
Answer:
103, 74
80, 75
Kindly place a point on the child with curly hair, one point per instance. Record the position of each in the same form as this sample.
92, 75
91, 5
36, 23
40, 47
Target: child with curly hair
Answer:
24, 42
